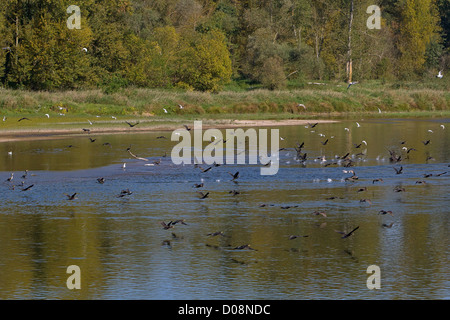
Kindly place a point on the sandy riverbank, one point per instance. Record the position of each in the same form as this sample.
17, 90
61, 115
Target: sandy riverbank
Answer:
144, 126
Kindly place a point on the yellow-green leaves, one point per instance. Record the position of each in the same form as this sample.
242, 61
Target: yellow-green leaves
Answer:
204, 62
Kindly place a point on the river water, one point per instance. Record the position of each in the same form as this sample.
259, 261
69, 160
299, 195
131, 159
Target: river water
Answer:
123, 251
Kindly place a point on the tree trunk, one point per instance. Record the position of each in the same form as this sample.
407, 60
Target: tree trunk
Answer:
317, 56
349, 52
16, 50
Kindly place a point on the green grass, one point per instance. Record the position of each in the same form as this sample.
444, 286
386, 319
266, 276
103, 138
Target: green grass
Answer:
240, 101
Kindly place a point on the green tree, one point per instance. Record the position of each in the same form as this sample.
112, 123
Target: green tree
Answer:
44, 53
444, 10
166, 41
323, 25
419, 23
5, 50
272, 74
204, 62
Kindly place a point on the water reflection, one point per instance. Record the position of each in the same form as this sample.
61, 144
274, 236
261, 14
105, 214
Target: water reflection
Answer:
124, 253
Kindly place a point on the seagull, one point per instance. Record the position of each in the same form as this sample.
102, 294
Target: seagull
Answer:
358, 125
165, 111
181, 107
134, 156
47, 115
440, 75
351, 83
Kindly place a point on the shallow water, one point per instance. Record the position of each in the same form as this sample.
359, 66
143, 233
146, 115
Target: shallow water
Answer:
124, 253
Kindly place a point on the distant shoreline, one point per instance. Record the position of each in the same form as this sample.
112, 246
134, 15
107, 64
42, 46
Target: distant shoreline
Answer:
48, 134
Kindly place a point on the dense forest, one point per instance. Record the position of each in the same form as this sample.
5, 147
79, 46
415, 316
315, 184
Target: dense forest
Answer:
205, 44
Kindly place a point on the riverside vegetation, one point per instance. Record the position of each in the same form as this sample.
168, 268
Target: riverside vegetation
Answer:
326, 100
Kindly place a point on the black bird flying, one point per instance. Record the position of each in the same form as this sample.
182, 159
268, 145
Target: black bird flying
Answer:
346, 235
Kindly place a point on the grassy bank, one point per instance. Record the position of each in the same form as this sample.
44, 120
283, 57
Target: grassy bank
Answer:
321, 100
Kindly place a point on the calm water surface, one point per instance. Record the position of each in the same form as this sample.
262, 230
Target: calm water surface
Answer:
124, 253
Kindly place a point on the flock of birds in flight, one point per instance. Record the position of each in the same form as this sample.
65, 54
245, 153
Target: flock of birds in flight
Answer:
301, 157
345, 161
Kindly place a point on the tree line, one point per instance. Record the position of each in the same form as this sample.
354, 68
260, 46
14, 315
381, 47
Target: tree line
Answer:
205, 44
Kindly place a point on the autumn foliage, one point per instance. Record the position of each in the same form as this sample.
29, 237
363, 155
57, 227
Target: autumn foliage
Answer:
204, 44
